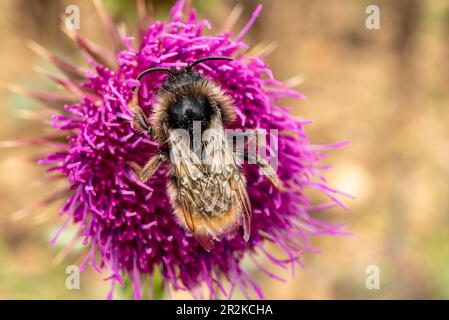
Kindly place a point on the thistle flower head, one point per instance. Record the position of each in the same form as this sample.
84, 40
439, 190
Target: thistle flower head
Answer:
130, 223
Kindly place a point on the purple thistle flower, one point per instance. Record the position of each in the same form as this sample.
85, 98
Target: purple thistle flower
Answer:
130, 223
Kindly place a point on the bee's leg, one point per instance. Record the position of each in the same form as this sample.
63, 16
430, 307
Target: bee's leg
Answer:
140, 121
249, 134
271, 174
263, 164
136, 168
148, 170
238, 149
267, 170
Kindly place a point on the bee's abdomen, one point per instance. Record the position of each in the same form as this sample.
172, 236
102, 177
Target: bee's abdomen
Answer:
214, 205
211, 195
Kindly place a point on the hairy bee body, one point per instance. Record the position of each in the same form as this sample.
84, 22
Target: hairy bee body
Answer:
206, 187
207, 193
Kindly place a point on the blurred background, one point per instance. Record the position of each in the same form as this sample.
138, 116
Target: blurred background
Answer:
384, 90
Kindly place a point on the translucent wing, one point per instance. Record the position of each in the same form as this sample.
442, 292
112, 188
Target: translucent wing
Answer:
242, 196
187, 212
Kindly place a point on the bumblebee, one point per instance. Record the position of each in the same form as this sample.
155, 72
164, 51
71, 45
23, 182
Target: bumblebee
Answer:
206, 186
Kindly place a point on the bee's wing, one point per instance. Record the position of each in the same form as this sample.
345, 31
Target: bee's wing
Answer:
186, 161
242, 196
224, 157
238, 185
205, 240
187, 172
187, 212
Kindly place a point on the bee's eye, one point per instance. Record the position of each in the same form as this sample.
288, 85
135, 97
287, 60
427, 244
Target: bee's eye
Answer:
187, 109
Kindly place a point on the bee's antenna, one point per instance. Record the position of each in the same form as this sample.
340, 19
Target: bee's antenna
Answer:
140, 76
145, 72
207, 59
